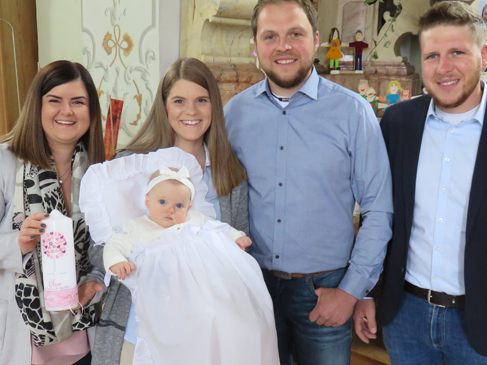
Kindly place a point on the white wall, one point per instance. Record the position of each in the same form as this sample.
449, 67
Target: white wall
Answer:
169, 32
58, 30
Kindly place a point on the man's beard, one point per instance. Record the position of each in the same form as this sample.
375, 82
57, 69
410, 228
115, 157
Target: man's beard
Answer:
470, 87
300, 76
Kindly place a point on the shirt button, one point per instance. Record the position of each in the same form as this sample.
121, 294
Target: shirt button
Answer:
446, 159
284, 112
281, 148
280, 184
440, 220
277, 256
279, 221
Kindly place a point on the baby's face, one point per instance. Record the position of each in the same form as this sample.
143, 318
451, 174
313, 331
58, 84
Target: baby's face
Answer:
168, 203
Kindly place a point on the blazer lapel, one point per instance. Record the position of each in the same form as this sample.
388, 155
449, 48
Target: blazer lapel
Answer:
479, 179
413, 136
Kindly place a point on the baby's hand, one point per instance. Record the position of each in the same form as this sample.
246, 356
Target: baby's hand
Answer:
243, 242
122, 269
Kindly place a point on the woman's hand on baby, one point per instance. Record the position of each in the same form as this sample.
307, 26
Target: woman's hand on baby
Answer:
122, 269
30, 232
243, 242
87, 291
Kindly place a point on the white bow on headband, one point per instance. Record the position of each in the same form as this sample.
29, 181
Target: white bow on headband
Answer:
165, 173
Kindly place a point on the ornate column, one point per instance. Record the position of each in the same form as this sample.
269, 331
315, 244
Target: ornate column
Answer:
218, 32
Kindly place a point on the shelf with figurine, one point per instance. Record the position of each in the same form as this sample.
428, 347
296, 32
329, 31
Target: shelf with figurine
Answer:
394, 94
382, 83
334, 54
388, 89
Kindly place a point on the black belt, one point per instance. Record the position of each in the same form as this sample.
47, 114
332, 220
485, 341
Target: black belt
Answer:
435, 297
294, 275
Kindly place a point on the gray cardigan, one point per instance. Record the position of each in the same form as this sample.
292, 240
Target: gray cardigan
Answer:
110, 331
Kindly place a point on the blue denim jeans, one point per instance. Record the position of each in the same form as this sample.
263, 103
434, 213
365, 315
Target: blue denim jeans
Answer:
425, 334
298, 337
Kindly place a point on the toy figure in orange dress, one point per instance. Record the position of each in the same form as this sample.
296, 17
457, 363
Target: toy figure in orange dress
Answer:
334, 54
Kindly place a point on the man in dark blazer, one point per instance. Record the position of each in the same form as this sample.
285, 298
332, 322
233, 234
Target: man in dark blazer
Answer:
433, 299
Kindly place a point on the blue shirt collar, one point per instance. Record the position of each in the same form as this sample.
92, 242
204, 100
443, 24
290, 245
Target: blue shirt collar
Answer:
309, 88
479, 115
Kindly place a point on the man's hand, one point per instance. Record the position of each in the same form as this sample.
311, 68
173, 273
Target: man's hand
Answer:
243, 242
364, 320
122, 269
333, 308
87, 291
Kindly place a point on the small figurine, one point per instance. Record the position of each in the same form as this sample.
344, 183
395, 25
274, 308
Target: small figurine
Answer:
359, 46
406, 94
362, 87
334, 53
393, 92
371, 96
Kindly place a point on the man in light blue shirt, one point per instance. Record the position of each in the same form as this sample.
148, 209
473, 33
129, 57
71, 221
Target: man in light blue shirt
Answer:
311, 149
434, 297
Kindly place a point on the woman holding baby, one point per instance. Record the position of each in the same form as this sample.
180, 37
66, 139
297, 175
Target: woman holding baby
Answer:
187, 113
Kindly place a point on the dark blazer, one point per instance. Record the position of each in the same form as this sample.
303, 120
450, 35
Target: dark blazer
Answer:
402, 127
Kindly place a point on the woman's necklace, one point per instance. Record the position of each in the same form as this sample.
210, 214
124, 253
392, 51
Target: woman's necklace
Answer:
61, 178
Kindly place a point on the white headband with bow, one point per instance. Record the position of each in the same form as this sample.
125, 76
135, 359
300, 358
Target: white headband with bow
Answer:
165, 173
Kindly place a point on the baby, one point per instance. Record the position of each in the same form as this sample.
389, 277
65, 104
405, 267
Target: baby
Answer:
168, 199
191, 286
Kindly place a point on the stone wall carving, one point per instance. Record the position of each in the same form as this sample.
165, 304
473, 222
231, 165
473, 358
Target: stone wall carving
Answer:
119, 38
124, 52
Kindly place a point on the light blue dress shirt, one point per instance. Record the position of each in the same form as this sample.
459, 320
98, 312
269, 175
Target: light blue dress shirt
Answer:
307, 164
445, 169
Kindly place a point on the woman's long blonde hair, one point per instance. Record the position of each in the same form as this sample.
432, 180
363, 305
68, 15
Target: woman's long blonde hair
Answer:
156, 132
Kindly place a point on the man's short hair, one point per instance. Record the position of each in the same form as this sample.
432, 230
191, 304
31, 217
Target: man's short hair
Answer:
455, 13
306, 5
